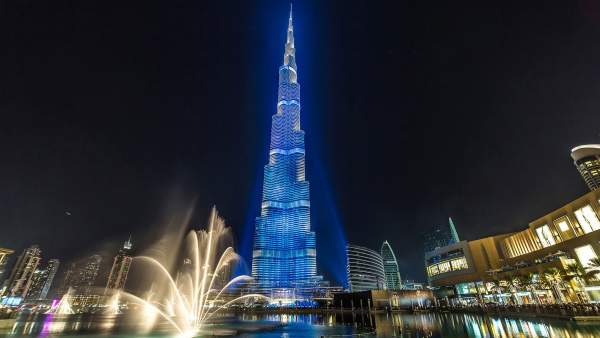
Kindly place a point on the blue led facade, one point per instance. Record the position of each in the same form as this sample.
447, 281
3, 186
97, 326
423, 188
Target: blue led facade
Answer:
284, 253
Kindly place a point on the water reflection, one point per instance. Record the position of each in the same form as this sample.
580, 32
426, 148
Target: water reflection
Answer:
432, 325
476, 326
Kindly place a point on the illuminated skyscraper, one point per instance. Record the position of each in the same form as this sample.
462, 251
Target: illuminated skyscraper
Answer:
42, 279
120, 267
85, 281
21, 276
587, 160
52, 269
365, 269
37, 283
81, 276
68, 279
390, 267
284, 253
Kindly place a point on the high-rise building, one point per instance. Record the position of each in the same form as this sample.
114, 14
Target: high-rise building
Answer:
42, 279
20, 278
38, 279
85, 280
284, 252
68, 279
587, 160
52, 269
365, 269
390, 267
440, 236
120, 267
81, 276
4, 253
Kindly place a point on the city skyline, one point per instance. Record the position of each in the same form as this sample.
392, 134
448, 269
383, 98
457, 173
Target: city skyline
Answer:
84, 137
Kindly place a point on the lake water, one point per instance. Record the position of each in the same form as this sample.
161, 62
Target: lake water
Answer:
288, 326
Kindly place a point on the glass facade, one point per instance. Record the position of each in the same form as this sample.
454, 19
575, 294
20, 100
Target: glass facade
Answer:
365, 269
564, 227
587, 219
587, 160
284, 252
585, 254
545, 236
455, 264
470, 288
390, 267
440, 236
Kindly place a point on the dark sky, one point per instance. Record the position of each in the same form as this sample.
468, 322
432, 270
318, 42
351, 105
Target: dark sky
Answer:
120, 112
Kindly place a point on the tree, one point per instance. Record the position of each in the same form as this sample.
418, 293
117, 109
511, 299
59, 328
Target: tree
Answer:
553, 278
594, 268
516, 283
531, 283
574, 273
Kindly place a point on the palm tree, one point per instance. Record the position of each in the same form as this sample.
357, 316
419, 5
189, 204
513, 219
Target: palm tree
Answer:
517, 283
575, 273
531, 284
594, 268
554, 279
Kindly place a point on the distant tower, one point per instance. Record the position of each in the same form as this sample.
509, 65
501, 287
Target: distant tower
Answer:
587, 160
42, 280
440, 236
52, 269
390, 267
37, 283
120, 267
85, 279
365, 269
20, 278
453, 232
68, 279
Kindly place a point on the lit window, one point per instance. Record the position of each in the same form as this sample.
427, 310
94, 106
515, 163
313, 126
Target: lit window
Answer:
433, 270
587, 219
585, 254
459, 264
545, 236
563, 226
444, 267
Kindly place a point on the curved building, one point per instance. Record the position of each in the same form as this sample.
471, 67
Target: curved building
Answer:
365, 269
390, 267
587, 160
284, 253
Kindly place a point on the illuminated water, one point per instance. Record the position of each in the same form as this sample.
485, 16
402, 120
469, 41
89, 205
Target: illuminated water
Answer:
289, 326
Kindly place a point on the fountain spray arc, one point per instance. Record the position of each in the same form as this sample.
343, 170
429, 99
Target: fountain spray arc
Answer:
191, 298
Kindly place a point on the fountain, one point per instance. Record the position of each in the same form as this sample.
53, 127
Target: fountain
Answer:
112, 307
189, 300
62, 307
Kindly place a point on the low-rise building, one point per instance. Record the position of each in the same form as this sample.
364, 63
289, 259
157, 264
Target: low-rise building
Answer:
374, 300
553, 260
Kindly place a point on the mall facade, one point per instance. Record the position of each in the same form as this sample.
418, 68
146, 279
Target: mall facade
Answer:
553, 260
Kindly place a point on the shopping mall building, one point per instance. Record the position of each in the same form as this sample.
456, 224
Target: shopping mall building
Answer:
535, 265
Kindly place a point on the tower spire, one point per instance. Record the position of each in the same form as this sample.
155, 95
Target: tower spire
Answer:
289, 55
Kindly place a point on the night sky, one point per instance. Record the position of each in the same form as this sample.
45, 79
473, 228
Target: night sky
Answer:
122, 113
